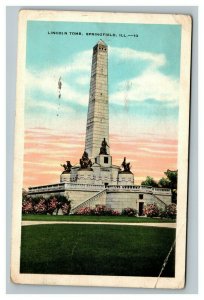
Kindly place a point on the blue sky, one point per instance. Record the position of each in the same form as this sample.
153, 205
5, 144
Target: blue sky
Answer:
143, 78
143, 75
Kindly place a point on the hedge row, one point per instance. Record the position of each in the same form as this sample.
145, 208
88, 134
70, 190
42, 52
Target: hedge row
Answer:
42, 206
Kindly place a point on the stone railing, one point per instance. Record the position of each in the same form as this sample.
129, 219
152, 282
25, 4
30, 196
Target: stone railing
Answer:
88, 202
161, 190
46, 188
139, 188
63, 186
81, 186
129, 188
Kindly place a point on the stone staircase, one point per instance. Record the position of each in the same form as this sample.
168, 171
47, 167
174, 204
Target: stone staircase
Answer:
158, 199
97, 199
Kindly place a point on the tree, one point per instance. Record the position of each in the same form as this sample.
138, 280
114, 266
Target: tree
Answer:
149, 181
172, 176
170, 182
64, 203
24, 194
164, 183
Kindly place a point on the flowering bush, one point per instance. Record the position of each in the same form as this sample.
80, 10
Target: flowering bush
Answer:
40, 207
52, 205
171, 211
130, 212
65, 208
151, 210
84, 211
115, 213
27, 206
100, 210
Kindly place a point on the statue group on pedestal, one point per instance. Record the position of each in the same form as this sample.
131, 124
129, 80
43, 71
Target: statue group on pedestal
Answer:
85, 162
67, 167
126, 166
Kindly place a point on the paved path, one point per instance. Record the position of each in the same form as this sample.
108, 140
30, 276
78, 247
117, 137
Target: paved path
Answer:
163, 225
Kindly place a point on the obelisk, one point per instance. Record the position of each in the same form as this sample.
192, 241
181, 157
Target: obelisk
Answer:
97, 127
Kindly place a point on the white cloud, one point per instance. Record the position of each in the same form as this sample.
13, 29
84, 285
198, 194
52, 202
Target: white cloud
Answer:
155, 60
151, 84
46, 81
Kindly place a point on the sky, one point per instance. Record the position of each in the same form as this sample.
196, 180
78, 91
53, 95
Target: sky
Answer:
143, 84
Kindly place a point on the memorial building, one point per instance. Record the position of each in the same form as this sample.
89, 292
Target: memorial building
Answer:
95, 180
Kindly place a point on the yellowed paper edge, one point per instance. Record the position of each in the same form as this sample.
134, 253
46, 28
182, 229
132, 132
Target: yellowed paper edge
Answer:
184, 98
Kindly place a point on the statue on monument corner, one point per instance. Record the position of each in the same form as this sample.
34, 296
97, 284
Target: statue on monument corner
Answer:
67, 167
103, 149
85, 162
126, 166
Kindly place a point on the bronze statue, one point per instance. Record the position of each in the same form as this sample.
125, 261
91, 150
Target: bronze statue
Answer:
85, 162
126, 166
103, 149
67, 167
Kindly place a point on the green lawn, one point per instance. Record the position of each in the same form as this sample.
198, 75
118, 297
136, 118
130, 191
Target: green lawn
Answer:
95, 219
96, 249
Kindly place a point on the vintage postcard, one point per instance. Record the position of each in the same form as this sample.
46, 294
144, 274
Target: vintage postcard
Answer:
101, 149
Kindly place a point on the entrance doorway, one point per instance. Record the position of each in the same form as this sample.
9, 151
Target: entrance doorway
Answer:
141, 207
106, 184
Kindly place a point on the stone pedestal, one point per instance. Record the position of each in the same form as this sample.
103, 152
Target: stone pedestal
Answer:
65, 177
104, 160
125, 178
85, 176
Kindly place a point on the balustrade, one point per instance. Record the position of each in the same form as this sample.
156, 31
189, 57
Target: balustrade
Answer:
78, 186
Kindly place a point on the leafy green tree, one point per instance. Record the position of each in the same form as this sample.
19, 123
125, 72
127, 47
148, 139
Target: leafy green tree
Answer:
170, 182
172, 177
164, 183
149, 181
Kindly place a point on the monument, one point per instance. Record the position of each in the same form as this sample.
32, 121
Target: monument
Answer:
97, 127
95, 179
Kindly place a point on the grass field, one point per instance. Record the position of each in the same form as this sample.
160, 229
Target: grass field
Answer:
96, 249
122, 219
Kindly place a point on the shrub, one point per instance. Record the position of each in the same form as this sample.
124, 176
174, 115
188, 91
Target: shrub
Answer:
84, 211
130, 212
171, 211
52, 205
40, 207
162, 214
100, 210
151, 210
115, 213
66, 207
27, 206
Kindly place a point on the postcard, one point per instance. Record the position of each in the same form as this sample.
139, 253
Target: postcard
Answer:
101, 149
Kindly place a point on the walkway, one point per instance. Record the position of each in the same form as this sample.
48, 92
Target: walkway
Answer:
162, 225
